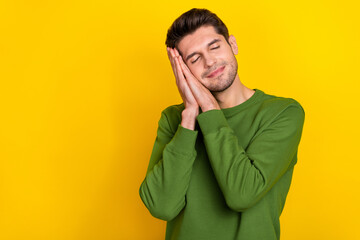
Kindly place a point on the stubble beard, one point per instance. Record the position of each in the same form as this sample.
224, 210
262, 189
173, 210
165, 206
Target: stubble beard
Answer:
223, 82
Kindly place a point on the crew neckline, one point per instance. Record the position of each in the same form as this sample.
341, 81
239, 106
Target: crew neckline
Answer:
235, 109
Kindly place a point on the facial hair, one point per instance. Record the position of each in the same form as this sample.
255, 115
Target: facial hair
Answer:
224, 80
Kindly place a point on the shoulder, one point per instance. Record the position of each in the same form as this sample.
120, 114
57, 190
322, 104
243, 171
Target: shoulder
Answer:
275, 107
272, 103
174, 109
172, 115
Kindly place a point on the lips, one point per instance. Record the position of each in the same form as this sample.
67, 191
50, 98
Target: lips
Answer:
216, 72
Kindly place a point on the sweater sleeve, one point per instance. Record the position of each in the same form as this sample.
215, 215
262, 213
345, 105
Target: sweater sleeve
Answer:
246, 176
164, 187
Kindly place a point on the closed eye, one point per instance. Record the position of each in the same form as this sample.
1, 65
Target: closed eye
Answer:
195, 60
199, 57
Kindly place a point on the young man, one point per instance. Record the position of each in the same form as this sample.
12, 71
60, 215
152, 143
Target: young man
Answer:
223, 160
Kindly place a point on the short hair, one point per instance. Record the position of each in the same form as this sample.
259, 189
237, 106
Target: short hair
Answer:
190, 21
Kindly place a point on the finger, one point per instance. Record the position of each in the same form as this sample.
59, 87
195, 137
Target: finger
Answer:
182, 83
168, 52
177, 68
180, 80
184, 65
188, 82
188, 74
191, 80
180, 74
176, 52
172, 52
172, 56
185, 68
172, 61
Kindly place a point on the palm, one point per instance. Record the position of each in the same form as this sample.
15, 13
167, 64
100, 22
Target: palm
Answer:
183, 87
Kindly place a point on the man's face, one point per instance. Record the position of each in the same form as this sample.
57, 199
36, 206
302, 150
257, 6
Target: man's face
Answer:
210, 58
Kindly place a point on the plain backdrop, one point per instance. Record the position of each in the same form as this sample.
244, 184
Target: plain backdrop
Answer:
83, 84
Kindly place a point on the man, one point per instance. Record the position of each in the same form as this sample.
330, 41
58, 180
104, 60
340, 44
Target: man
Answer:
222, 161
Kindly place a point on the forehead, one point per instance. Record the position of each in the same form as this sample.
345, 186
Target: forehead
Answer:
199, 39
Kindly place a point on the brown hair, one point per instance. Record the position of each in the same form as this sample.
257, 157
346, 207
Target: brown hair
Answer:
190, 21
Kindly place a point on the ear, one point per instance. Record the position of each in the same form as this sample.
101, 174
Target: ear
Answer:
233, 44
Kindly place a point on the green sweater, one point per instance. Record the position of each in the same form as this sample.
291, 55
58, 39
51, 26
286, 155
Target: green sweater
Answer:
229, 178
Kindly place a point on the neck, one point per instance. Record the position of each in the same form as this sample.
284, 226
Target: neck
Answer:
236, 94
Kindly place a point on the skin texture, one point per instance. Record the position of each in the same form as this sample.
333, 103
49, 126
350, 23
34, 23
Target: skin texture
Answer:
205, 52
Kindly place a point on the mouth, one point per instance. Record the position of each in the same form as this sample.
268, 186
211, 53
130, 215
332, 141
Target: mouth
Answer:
216, 72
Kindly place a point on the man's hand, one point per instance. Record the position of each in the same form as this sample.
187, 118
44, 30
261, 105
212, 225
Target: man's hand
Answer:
202, 95
184, 90
191, 110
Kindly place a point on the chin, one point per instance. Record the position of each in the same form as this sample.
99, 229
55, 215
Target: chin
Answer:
225, 84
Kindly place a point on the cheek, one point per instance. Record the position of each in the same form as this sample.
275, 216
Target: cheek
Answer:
196, 71
231, 56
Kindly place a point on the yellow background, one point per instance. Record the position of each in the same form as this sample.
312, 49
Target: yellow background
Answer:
83, 84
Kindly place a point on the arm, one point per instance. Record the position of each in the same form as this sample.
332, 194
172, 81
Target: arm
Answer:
164, 187
246, 176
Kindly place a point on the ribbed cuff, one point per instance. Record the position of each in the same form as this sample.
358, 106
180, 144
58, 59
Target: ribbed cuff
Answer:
184, 140
211, 121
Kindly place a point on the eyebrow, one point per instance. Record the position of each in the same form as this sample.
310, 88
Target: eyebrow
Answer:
209, 44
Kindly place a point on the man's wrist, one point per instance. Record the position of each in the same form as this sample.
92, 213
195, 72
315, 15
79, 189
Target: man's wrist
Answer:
210, 107
189, 117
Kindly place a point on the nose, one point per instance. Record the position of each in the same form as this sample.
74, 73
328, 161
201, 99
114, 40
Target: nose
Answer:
209, 60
